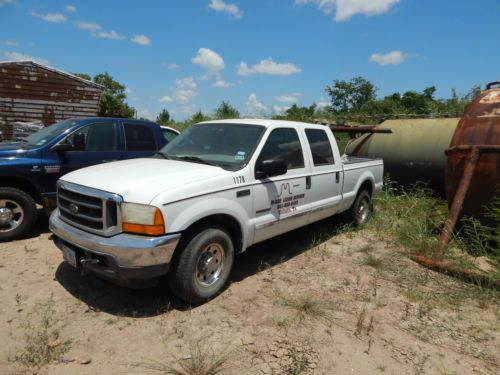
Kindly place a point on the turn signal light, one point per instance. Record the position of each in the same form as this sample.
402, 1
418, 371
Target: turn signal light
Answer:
156, 229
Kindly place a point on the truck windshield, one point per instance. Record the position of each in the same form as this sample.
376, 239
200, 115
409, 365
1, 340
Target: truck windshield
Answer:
46, 134
225, 145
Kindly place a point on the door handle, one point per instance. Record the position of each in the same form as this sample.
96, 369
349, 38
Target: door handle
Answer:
308, 182
337, 177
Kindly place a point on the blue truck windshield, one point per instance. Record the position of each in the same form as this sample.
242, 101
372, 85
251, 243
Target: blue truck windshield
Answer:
46, 134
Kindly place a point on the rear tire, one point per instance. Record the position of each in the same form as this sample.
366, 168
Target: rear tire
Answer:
361, 209
202, 269
18, 213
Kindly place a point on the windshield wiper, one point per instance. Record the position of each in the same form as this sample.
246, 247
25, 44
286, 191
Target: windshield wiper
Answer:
196, 159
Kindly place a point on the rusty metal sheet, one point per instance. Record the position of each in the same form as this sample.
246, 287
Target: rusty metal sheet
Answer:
31, 93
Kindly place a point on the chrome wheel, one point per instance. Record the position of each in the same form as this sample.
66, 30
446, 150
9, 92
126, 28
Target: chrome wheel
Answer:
11, 215
363, 211
210, 264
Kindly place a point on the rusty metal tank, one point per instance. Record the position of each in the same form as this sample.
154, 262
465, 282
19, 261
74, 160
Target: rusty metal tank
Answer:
413, 152
480, 126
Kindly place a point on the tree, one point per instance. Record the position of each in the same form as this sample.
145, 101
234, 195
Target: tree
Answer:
197, 117
350, 96
163, 117
296, 113
225, 111
113, 96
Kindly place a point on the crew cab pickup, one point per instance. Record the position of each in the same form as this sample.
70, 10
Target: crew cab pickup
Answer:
215, 190
30, 167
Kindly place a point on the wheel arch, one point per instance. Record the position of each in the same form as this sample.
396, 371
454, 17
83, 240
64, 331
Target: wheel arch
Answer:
23, 184
222, 220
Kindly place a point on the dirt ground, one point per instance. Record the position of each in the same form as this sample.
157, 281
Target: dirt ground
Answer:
351, 304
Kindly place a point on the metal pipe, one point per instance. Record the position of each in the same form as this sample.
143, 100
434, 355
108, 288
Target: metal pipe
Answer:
458, 201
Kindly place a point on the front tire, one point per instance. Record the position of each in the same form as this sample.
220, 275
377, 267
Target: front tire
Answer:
202, 269
18, 213
361, 209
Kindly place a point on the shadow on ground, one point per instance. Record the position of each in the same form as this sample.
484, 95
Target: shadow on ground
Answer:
102, 295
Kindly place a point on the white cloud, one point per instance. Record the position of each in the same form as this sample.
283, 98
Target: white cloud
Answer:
220, 83
109, 35
96, 30
131, 94
221, 6
254, 108
289, 98
345, 9
172, 66
280, 109
18, 56
50, 17
390, 58
144, 113
10, 43
141, 39
89, 26
184, 90
70, 8
5, 2
209, 60
268, 66
166, 99
322, 104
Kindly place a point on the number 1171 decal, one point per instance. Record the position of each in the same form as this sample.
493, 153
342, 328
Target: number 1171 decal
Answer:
239, 179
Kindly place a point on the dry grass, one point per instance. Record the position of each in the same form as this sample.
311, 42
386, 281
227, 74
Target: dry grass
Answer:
43, 343
202, 360
308, 306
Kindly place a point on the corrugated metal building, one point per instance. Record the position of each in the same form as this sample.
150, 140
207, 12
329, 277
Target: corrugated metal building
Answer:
34, 95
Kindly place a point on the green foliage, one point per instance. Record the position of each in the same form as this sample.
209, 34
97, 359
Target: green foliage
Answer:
163, 117
350, 96
113, 96
296, 113
480, 239
226, 111
410, 217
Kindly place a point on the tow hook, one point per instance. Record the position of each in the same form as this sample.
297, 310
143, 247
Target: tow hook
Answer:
85, 261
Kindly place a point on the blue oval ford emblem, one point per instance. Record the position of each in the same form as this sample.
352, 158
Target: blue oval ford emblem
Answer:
73, 208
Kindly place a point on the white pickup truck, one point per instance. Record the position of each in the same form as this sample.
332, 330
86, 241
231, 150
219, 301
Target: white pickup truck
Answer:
213, 191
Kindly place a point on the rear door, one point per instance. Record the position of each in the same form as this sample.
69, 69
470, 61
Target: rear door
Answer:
140, 140
281, 203
325, 182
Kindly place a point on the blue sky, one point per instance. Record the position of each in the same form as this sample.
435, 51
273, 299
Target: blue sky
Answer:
261, 55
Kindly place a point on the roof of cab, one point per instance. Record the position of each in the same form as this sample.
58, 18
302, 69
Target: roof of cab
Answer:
263, 122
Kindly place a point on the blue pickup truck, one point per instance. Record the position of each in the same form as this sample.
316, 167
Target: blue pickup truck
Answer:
30, 167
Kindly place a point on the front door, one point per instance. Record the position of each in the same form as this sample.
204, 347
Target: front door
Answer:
281, 202
92, 144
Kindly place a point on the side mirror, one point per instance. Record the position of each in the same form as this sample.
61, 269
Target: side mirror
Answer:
271, 168
62, 147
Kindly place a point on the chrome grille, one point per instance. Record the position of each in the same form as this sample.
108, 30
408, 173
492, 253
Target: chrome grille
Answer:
90, 209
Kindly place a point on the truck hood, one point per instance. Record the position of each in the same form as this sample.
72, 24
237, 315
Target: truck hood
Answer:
140, 180
17, 153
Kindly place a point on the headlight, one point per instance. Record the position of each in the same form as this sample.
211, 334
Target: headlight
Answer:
142, 219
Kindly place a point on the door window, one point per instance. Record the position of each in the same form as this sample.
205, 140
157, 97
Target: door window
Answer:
139, 137
283, 144
95, 137
320, 146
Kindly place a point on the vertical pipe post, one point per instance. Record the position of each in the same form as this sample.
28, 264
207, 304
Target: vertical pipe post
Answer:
458, 200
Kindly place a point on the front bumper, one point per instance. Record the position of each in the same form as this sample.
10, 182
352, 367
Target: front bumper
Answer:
123, 257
